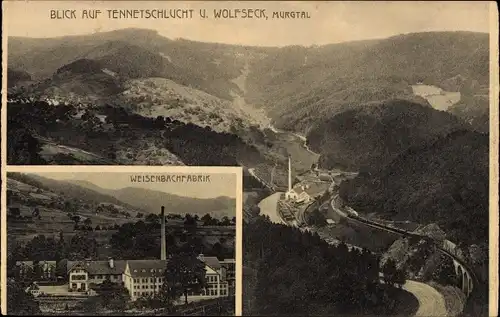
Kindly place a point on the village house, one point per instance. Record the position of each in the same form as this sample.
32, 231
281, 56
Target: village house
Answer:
305, 191
33, 289
84, 274
45, 269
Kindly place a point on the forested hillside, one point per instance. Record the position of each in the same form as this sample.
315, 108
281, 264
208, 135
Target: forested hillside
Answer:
300, 85
445, 182
370, 136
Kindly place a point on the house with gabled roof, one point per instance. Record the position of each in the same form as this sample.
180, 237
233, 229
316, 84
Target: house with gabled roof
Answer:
215, 278
84, 274
33, 289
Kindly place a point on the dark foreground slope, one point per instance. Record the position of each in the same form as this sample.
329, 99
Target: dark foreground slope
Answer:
292, 273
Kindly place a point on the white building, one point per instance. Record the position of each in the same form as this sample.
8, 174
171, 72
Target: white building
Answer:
306, 191
144, 278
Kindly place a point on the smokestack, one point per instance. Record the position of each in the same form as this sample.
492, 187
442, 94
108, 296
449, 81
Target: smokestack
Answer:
163, 238
289, 173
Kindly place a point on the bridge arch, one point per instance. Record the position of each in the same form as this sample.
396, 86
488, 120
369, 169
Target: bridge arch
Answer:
460, 277
465, 283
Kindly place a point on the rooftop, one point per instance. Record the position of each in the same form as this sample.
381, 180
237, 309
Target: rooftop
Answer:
147, 268
138, 268
311, 188
211, 261
98, 267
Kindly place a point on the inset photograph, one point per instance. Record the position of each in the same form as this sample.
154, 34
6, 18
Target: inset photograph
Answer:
108, 242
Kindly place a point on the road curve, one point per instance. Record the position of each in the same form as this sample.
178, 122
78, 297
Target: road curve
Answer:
431, 302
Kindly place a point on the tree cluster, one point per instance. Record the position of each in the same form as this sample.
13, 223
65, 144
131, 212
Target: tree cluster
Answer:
110, 296
82, 245
299, 273
225, 221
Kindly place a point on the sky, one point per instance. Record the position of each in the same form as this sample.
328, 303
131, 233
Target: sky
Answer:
330, 22
220, 184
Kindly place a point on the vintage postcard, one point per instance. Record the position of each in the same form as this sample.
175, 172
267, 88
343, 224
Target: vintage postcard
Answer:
122, 240
367, 134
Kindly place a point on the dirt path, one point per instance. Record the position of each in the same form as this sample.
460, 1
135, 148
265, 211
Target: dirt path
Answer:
257, 116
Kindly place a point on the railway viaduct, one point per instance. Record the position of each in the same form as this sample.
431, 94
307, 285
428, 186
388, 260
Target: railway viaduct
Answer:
464, 273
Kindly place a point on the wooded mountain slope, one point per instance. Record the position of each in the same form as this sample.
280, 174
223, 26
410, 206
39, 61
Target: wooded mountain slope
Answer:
445, 182
370, 136
299, 85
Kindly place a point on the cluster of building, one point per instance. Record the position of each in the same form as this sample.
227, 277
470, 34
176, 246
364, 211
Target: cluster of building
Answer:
145, 278
307, 191
142, 278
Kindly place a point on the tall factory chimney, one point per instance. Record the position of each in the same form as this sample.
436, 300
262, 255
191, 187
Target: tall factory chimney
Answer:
289, 172
163, 237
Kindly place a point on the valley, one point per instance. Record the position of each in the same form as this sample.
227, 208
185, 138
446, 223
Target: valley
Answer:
381, 237
399, 134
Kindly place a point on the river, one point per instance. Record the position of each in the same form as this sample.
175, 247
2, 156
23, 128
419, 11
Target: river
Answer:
269, 207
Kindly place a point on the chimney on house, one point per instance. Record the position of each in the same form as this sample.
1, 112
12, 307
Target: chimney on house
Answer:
201, 257
163, 238
111, 263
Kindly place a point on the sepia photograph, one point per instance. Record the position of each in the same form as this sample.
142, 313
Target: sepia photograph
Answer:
381, 208
121, 243
365, 134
